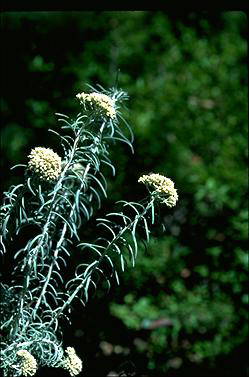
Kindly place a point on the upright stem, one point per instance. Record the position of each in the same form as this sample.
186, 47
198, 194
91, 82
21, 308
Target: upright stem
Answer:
33, 256
59, 243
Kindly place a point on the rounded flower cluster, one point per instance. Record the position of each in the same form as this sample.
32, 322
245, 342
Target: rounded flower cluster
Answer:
72, 362
45, 163
163, 187
99, 101
28, 363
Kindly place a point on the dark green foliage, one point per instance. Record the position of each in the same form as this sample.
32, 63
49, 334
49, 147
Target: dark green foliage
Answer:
187, 80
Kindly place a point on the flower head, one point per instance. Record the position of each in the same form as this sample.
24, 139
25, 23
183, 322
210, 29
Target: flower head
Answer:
28, 363
72, 362
45, 163
163, 188
99, 101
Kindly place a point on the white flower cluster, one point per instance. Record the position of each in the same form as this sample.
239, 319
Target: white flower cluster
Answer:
28, 363
163, 188
100, 101
45, 163
72, 362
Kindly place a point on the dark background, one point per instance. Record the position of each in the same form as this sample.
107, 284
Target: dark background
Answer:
186, 75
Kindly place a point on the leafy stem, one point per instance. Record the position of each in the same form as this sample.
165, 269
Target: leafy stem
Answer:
86, 276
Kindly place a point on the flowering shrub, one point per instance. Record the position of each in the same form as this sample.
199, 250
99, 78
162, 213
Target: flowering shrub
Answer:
58, 195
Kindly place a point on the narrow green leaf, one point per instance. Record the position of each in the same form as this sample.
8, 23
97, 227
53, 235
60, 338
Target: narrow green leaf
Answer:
117, 278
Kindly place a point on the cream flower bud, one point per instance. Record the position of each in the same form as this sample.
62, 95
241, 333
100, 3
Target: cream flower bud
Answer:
72, 362
45, 163
28, 363
99, 101
163, 188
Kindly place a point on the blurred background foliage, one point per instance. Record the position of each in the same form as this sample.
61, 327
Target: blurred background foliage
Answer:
183, 310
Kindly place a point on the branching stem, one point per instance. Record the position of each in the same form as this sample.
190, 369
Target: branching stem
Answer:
108, 248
